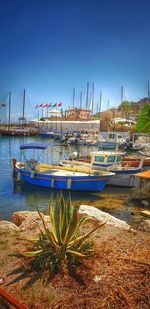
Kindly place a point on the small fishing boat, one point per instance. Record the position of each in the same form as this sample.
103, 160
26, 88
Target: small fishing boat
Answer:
112, 141
59, 177
46, 134
111, 161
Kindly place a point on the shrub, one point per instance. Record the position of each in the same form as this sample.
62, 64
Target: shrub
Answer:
62, 242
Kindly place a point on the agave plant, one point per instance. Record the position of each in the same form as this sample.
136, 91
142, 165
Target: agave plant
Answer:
62, 242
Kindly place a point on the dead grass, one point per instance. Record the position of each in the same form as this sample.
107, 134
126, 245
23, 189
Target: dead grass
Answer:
122, 266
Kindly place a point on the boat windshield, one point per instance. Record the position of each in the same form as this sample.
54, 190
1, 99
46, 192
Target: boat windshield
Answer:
99, 158
118, 158
111, 159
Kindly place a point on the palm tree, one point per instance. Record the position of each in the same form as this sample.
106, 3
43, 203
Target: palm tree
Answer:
143, 124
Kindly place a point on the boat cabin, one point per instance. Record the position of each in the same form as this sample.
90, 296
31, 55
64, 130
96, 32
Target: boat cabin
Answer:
105, 159
115, 137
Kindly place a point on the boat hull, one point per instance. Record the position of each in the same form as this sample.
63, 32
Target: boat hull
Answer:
75, 183
18, 133
123, 180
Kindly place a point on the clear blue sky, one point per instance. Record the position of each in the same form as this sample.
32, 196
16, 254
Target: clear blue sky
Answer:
50, 47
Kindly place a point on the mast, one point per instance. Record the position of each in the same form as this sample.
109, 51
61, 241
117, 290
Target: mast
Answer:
73, 100
148, 93
24, 97
87, 95
92, 98
121, 94
100, 105
9, 104
80, 99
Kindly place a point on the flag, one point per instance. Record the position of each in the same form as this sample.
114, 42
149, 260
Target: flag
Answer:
54, 105
36, 106
49, 105
45, 105
59, 104
41, 105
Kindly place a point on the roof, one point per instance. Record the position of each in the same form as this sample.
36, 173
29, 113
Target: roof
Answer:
145, 174
34, 146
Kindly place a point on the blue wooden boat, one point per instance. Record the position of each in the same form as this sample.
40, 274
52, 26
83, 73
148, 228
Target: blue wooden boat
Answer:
47, 134
110, 161
59, 177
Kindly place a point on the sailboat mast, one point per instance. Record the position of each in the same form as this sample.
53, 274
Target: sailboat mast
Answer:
9, 104
100, 105
92, 98
74, 91
24, 97
87, 95
121, 94
148, 93
80, 99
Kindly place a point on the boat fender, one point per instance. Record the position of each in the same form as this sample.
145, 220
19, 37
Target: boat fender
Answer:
132, 181
52, 182
19, 177
69, 181
32, 174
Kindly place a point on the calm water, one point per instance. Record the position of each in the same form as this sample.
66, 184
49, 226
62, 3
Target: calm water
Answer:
17, 197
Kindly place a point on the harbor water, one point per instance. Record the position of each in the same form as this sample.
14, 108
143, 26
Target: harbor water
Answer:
16, 196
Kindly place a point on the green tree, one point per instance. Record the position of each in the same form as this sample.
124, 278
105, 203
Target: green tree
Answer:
126, 109
143, 124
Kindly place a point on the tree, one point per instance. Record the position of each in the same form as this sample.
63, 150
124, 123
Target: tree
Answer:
143, 124
126, 109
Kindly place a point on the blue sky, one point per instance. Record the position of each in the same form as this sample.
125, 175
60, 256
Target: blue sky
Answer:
50, 47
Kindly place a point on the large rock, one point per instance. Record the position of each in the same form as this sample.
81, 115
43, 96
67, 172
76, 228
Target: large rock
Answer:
103, 217
8, 228
29, 221
19, 217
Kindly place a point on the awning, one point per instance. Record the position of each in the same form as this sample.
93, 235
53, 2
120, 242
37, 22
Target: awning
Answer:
35, 146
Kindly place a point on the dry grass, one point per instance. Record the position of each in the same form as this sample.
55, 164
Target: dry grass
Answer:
122, 264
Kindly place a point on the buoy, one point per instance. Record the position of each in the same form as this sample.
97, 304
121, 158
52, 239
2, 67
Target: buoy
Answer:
32, 174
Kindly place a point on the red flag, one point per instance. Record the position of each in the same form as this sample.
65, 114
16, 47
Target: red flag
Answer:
45, 105
59, 104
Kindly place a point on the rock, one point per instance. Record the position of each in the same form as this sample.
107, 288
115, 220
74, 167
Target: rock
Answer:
8, 227
19, 217
145, 226
104, 217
